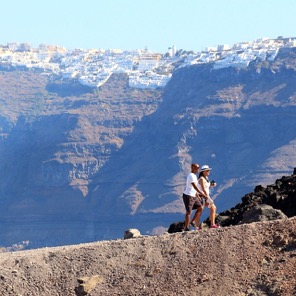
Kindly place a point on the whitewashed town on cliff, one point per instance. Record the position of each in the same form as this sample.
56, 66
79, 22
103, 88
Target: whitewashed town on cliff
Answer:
146, 69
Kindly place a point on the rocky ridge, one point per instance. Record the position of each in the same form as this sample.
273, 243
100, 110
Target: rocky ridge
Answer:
248, 260
280, 198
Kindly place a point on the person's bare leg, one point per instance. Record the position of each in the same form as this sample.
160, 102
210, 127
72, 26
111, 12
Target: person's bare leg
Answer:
197, 215
187, 219
212, 214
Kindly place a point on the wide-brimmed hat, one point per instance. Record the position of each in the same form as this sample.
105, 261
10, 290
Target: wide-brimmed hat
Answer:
205, 168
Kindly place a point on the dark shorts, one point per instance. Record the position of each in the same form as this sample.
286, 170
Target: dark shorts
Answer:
191, 202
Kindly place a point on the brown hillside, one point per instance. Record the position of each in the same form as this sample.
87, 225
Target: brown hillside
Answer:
250, 259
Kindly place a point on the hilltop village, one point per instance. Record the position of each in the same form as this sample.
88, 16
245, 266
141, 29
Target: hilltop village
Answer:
93, 67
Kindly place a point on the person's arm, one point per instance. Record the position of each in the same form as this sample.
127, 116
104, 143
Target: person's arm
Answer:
197, 195
197, 189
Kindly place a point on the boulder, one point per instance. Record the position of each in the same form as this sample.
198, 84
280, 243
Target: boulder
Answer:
87, 284
131, 233
176, 227
262, 212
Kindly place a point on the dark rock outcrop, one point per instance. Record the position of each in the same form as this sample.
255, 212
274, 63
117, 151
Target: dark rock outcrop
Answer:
176, 227
275, 201
261, 213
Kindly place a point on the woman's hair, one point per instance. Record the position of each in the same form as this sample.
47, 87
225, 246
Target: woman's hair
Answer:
202, 175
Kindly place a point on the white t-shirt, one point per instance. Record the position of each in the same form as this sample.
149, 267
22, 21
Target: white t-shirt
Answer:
189, 190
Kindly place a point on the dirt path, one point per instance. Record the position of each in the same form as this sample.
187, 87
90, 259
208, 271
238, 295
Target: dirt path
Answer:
250, 259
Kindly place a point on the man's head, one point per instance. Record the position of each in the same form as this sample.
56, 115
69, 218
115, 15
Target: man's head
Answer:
194, 168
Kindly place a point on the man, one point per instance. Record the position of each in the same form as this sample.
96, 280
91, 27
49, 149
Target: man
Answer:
191, 198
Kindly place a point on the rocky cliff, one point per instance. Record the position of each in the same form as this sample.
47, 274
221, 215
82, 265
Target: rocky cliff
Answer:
79, 164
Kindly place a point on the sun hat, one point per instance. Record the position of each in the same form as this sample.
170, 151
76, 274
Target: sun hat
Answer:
205, 167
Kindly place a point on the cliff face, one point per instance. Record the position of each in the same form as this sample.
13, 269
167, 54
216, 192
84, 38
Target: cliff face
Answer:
75, 162
239, 121
55, 136
71, 135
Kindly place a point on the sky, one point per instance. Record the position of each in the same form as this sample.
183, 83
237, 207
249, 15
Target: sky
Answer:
139, 24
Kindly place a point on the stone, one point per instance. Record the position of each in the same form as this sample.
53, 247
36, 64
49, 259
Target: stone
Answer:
280, 241
262, 212
176, 227
87, 284
131, 233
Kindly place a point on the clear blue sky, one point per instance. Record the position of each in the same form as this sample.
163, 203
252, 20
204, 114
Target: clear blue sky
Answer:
136, 24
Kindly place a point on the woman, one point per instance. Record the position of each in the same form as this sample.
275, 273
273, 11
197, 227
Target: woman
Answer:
204, 185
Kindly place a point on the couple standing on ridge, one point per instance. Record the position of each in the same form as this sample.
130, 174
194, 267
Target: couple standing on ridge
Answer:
195, 188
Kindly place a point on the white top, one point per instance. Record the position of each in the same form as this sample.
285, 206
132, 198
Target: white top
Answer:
189, 190
207, 186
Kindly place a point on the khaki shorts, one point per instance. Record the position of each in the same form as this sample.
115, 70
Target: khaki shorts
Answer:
191, 202
209, 202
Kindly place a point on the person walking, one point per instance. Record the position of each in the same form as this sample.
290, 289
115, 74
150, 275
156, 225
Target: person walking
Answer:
191, 199
204, 185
